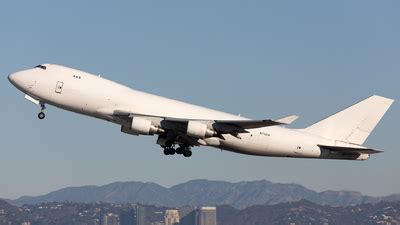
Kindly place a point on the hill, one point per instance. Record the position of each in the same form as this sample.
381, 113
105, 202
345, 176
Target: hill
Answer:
202, 192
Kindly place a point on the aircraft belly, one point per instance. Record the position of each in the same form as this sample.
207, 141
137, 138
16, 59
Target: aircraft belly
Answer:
277, 141
249, 145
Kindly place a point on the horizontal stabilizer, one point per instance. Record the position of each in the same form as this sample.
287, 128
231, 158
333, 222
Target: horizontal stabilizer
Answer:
350, 150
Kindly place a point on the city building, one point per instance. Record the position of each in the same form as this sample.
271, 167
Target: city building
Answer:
140, 215
171, 217
157, 223
206, 216
128, 217
95, 222
110, 219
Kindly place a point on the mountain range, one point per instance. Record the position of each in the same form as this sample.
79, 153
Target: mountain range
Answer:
202, 192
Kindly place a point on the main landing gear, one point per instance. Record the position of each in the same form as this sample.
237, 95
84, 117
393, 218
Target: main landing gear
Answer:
41, 115
181, 150
169, 151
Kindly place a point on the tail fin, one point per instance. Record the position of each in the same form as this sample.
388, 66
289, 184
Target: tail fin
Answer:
353, 124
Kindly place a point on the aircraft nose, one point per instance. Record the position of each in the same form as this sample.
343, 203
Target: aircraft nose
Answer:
12, 78
18, 79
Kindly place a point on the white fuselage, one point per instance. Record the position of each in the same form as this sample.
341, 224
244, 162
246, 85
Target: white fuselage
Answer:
91, 95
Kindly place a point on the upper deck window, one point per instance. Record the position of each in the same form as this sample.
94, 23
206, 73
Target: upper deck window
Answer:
41, 67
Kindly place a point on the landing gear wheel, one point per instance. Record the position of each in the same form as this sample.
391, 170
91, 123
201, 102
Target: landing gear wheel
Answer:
169, 151
41, 115
166, 152
187, 153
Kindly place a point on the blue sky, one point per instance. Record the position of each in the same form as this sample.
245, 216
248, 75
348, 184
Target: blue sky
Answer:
261, 59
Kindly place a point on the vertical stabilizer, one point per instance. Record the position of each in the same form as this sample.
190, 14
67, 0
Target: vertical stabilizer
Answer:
353, 124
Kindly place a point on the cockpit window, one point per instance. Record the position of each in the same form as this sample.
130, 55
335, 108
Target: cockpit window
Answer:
41, 67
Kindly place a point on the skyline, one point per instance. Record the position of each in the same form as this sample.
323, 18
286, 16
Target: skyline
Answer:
302, 212
262, 60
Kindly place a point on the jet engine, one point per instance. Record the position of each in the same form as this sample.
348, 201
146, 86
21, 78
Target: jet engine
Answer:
141, 126
199, 130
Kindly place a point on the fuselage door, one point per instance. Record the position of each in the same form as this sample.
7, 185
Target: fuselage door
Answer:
59, 87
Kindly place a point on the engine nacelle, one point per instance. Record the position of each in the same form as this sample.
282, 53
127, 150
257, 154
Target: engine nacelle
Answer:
141, 126
199, 130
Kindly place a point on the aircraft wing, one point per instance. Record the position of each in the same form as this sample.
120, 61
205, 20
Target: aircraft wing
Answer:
179, 126
239, 125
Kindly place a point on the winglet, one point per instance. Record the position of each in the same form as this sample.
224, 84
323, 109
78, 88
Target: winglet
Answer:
288, 119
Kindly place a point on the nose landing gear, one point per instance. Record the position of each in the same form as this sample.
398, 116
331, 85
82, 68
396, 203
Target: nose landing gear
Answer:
42, 115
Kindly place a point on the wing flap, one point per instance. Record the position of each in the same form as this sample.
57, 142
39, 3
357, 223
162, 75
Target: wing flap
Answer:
248, 124
350, 150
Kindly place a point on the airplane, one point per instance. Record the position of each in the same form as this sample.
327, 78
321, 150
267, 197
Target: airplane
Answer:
181, 126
